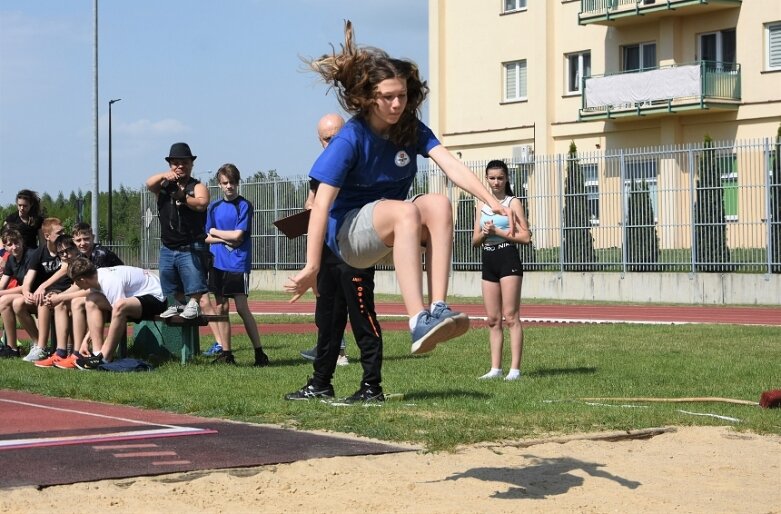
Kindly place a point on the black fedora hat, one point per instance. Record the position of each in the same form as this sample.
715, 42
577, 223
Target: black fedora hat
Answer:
180, 151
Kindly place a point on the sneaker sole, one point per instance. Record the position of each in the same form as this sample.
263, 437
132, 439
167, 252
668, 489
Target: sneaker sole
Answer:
450, 328
308, 398
181, 315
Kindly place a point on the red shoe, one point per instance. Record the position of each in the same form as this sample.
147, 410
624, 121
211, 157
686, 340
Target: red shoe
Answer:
48, 362
68, 362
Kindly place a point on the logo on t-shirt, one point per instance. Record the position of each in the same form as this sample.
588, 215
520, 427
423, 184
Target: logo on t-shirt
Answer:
402, 159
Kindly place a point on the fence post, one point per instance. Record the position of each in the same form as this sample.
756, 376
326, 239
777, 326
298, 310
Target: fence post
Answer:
276, 217
692, 214
561, 213
624, 216
767, 154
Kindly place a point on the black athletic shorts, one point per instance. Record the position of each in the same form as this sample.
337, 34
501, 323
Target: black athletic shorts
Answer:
228, 284
501, 260
151, 306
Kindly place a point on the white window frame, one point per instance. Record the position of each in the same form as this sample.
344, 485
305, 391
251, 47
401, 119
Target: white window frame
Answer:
644, 169
773, 46
520, 92
642, 66
579, 72
719, 44
517, 5
590, 172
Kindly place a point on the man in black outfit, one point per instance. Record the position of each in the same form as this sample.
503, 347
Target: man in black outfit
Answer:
344, 291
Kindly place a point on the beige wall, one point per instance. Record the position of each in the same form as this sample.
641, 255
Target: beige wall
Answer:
469, 42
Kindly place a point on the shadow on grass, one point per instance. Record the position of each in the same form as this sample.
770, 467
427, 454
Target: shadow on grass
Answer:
447, 394
543, 478
581, 370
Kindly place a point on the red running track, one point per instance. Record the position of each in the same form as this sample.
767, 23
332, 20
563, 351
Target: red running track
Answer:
578, 313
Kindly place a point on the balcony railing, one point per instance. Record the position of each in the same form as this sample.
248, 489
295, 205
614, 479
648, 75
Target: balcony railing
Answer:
669, 89
609, 11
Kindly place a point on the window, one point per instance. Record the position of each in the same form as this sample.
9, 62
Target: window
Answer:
773, 45
718, 46
578, 66
515, 81
514, 5
591, 182
638, 57
637, 173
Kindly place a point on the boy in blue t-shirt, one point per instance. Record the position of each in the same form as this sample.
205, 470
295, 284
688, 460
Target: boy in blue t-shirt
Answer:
229, 231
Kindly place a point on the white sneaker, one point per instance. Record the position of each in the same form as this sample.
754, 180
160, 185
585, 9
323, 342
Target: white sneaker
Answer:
494, 373
513, 375
36, 353
171, 311
191, 310
342, 361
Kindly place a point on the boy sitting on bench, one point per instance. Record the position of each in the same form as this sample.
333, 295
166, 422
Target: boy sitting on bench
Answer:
123, 293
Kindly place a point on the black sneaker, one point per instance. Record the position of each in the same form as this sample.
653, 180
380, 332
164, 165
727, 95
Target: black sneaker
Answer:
89, 363
225, 358
310, 392
366, 394
6, 352
261, 359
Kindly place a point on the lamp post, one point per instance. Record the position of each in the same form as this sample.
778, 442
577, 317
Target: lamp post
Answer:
110, 190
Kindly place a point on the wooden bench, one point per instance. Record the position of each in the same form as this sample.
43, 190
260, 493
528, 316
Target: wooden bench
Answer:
190, 332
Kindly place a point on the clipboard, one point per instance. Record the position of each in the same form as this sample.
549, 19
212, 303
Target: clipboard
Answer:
294, 225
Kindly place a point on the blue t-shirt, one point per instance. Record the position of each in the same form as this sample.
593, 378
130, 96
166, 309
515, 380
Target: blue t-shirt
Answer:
231, 215
366, 167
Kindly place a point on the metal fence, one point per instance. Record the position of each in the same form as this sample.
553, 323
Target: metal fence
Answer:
712, 207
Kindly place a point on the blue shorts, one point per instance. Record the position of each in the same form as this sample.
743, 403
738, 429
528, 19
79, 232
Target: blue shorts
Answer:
183, 270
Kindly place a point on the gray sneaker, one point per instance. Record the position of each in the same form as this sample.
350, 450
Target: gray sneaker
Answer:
190, 311
36, 353
172, 311
310, 354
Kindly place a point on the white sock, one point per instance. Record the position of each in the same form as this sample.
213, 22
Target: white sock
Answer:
193, 301
494, 373
413, 321
514, 374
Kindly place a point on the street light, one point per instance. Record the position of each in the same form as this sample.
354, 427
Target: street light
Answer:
110, 190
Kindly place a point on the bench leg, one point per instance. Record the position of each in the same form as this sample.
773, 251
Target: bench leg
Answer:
191, 344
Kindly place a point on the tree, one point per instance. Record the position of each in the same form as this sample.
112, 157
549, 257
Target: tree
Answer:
712, 253
774, 245
641, 238
578, 243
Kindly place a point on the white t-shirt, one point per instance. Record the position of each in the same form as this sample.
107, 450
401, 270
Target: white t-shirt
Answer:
120, 282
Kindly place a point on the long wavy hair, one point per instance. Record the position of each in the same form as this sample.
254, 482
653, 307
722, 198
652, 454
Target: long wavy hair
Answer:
34, 200
354, 74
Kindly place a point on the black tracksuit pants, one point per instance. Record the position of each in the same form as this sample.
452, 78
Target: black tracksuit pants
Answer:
344, 291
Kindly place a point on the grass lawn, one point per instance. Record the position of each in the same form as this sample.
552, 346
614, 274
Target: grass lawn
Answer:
443, 403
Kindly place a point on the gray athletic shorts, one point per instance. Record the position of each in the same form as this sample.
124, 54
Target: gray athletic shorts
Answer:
359, 244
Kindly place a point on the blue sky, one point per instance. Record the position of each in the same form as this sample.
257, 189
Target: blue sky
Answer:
226, 77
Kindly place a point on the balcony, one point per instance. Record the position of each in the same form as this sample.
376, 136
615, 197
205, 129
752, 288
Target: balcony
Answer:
697, 87
625, 12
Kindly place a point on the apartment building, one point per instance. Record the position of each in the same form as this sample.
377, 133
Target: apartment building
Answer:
515, 79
